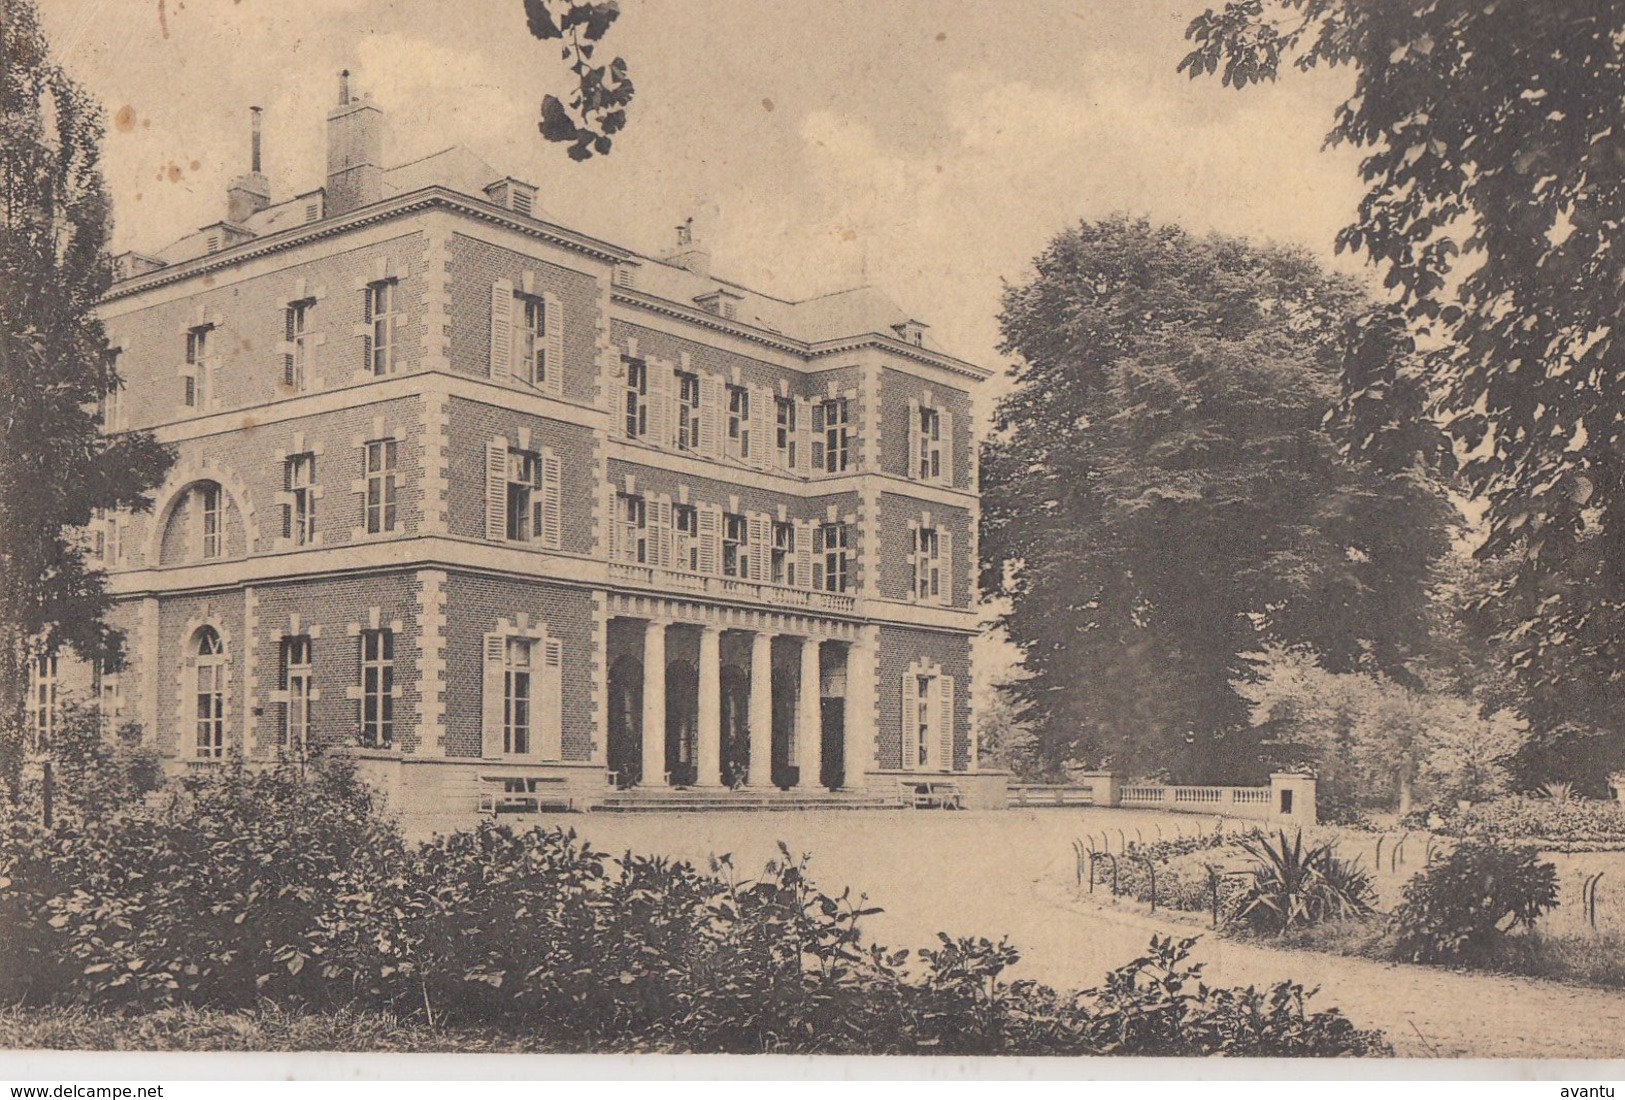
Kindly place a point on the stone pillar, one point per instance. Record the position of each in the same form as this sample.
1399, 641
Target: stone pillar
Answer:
708, 731
1107, 787
761, 710
654, 704
860, 713
809, 719
1616, 784
1292, 797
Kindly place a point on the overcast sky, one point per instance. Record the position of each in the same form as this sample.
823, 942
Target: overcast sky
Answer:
927, 146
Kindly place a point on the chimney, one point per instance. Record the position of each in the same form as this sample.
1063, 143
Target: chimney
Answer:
355, 152
688, 255
249, 194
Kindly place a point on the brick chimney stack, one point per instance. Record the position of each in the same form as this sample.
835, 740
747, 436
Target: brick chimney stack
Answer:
251, 193
355, 151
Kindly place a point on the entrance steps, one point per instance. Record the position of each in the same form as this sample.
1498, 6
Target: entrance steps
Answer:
679, 800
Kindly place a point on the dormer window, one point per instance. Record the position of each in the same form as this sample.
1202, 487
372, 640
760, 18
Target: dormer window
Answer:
515, 195
911, 332
723, 303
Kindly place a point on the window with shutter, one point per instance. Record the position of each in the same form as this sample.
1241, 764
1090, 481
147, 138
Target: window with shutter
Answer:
910, 465
550, 731
688, 411
491, 698
524, 497
784, 433
296, 361
782, 568
710, 522
803, 453
502, 311
518, 696
638, 398
552, 501
911, 721
759, 546
496, 490
804, 555
553, 354
660, 535
945, 721
199, 388
735, 545
737, 442
632, 517
945, 553
299, 511
686, 537
711, 414
830, 557
947, 447
818, 412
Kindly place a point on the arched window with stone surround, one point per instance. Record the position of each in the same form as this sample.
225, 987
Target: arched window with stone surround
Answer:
209, 692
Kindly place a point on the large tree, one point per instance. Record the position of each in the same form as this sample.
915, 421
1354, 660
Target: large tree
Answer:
1177, 479
56, 469
597, 108
1496, 200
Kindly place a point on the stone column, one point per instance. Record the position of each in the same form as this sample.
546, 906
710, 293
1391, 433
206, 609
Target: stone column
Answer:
708, 734
860, 712
761, 710
654, 704
809, 721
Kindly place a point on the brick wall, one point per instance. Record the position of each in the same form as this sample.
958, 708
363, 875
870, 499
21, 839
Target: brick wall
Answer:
900, 647
178, 619
896, 513
471, 424
475, 604
897, 389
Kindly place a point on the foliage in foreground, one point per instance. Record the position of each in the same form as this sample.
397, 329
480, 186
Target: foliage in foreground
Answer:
252, 890
1460, 908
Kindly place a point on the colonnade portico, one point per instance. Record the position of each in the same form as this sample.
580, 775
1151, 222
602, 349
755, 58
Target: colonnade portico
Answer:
736, 740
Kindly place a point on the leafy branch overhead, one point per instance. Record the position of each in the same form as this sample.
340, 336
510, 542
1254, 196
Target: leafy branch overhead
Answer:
597, 108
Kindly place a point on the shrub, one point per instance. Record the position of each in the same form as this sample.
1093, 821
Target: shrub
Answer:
1562, 824
1460, 907
1293, 885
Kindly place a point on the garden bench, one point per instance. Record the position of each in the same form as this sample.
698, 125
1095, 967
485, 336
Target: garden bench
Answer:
524, 794
931, 794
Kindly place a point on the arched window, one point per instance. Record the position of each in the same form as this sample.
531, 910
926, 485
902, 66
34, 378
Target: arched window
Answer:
211, 694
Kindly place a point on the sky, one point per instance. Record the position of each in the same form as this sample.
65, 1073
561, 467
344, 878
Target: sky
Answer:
929, 147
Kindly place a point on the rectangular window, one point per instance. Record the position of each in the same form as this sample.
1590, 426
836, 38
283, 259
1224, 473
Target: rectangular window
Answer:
735, 545
383, 315
688, 411
924, 719
524, 496
42, 702
209, 508
926, 565
516, 696
686, 525
197, 363
632, 515
739, 423
637, 398
784, 432
784, 554
109, 696
298, 676
829, 557
113, 397
378, 688
379, 466
299, 514
928, 463
831, 428
296, 361
533, 339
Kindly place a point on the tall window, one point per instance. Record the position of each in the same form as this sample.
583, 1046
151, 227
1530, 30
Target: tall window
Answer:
113, 398
925, 564
735, 545
42, 701
108, 537
637, 398
829, 557
297, 678
688, 411
197, 363
524, 496
832, 436
211, 520
109, 695
210, 694
383, 317
686, 528
533, 338
784, 554
739, 423
784, 431
923, 718
378, 688
928, 462
379, 467
299, 513
516, 696
632, 514
296, 360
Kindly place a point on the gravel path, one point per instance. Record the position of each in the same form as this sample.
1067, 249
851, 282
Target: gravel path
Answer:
1011, 873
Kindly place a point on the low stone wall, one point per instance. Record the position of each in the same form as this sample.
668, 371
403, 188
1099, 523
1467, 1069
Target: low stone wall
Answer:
1289, 797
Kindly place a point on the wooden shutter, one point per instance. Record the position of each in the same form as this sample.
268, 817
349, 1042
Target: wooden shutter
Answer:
713, 408
761, 537
911, 729
945, 720
660, 533
947, 448
803, 436
287, 356
491, 696
552, 501
817, 449
502, 330
710, 520
496, 490
613, 511
662, 424
804, 555
547, 702
912, 468
817, 573
913, 560
366, 334
553, 318
763, 426
945, 555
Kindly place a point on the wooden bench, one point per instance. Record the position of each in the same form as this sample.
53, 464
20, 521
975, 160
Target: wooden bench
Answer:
524, 794
931, 794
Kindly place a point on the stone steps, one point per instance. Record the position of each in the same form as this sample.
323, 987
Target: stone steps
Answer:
680, 801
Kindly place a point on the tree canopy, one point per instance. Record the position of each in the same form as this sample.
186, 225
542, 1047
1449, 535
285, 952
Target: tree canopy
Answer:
57, 469
597, 108
1176, 479
1495, 205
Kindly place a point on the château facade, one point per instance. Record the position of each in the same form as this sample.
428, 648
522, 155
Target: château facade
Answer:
474, 495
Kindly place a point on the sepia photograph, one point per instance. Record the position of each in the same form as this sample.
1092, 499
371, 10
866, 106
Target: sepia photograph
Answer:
960, 532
